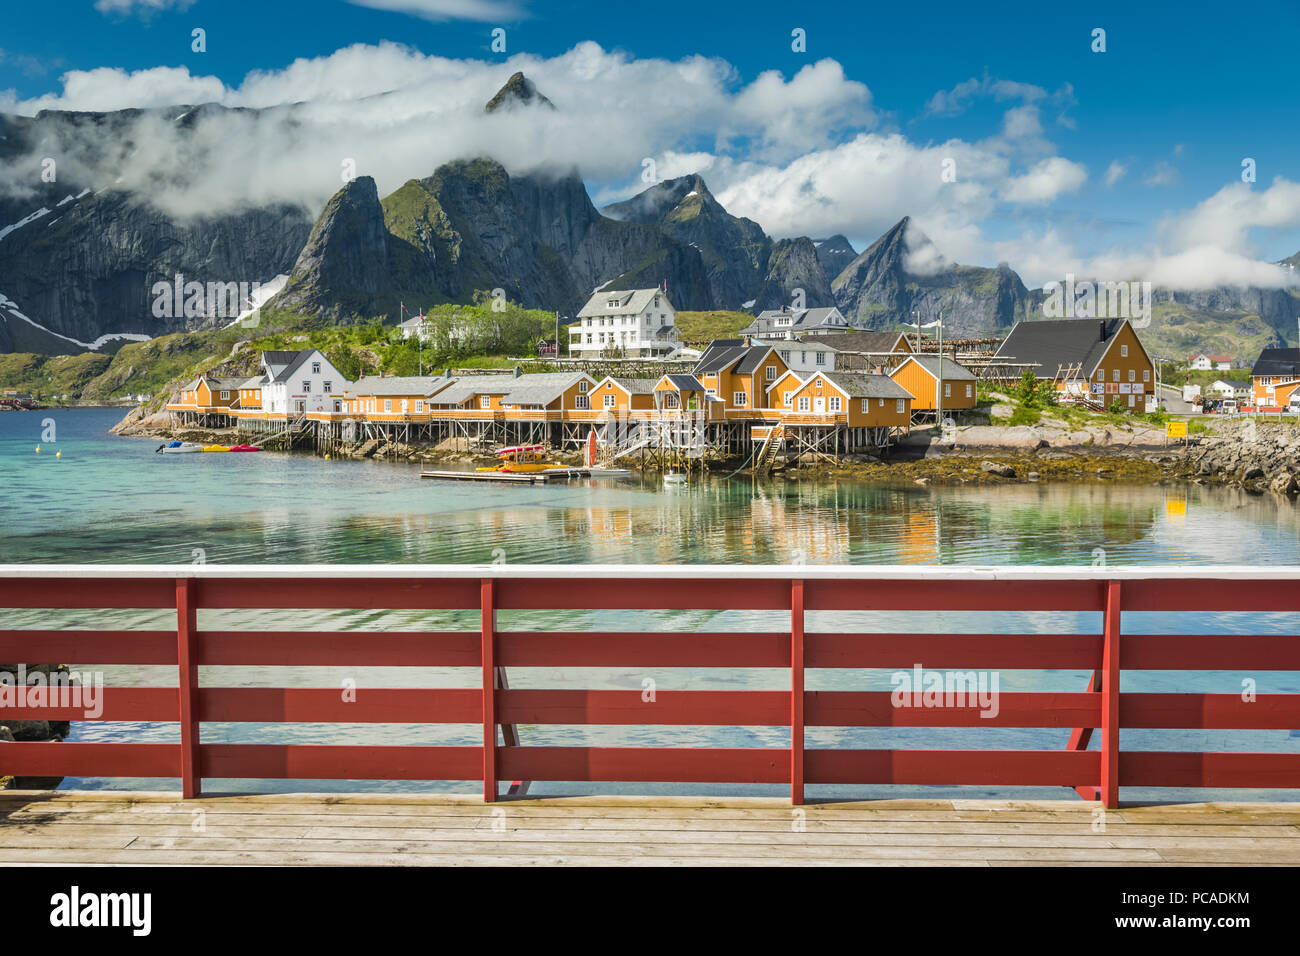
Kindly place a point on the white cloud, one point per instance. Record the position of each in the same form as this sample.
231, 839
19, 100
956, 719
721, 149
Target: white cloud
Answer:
1045, 181
479, 11
145, 7
1161, 174
1114, 172
1225, 219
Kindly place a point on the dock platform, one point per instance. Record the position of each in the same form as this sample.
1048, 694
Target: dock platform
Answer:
119, 827
530, 478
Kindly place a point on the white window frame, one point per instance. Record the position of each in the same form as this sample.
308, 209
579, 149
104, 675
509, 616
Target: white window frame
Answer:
315, 368
771, 373
611, 400
582, 402
1123, 351
419, 406
328, 387
947, 389
789, 399
835, 404
388, 405
866, 406
899, 407
225, 396
485, 401
740, 399
968, 390
805, 403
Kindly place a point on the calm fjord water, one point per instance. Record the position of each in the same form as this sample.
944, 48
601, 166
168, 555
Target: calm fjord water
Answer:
110, 499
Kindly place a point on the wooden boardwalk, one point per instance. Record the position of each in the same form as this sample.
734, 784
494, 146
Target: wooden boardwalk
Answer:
104, 827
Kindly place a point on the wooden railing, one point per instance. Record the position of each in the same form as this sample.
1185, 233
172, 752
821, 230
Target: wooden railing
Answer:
792, 591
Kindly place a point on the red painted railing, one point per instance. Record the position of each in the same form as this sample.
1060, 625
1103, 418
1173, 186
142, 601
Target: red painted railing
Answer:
793, 590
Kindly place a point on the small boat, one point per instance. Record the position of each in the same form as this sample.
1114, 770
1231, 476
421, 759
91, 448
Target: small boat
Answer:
179, 448
244, 448
674, 479
215, 448
523, 459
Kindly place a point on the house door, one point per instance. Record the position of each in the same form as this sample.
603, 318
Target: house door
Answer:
819, 404
300, 405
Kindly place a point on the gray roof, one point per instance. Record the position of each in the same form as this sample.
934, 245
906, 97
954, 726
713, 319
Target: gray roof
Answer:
788, 344
800, 320
625, 301
719, 356
536, 388
1051, 344
857, 385
636, 386
952, 372
397, 385
1277, 362
686, 383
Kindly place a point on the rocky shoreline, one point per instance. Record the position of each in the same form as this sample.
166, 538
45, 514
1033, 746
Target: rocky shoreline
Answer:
1239, 452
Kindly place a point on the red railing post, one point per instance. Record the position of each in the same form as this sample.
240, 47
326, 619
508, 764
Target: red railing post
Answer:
796, 692
487, 601
1110, 698
188, 684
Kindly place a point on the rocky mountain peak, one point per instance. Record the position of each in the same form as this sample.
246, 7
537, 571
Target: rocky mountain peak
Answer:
519, 91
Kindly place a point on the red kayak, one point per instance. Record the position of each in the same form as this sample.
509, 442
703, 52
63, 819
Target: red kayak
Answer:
245, 448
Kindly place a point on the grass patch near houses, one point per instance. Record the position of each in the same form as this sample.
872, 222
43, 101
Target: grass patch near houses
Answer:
701, 328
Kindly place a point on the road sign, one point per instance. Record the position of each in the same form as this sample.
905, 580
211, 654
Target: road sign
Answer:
1175, 429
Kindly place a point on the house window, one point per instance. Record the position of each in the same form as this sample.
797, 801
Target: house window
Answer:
789, 399
771, 373
968, 391
866, 406
403, 406
898, 407
785, 356
821, 358
306, 385
1116, 375
581, 402
1101, 375
315, 368
947, 389
388, 404
485, 401
819, 383
611, 400
225, 395
328, 387
711, 392
803, 403
739, 399
1146, 375
419, 405
1132, 375
582, 387
835, 403
1123, 351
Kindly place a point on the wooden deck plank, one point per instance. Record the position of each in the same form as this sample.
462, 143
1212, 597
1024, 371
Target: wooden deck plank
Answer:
113, 828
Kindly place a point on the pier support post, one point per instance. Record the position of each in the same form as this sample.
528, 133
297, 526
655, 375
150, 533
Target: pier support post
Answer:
487, 592
188, 685
1110, 699
796, 692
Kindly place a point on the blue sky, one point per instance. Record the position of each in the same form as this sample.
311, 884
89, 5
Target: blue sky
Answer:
1178, 99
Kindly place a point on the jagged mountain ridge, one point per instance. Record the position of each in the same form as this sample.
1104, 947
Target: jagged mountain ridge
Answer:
746, 268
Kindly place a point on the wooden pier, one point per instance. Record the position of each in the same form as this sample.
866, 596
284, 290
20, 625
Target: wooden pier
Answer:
529, 478
147, 829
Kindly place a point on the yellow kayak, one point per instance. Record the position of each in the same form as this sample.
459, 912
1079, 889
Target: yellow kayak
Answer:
522, 459
215, 448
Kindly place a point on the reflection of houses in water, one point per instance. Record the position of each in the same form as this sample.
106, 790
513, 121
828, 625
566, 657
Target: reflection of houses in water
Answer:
816, 535
918, 539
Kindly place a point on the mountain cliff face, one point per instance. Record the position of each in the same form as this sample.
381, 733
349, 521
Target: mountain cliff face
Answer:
902, 272
80, 258
738, 255
471, 226
834, 254
80, 255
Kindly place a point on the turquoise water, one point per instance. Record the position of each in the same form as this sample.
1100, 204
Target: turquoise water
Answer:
110, 499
